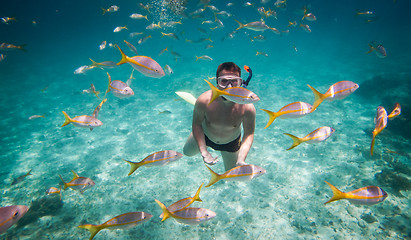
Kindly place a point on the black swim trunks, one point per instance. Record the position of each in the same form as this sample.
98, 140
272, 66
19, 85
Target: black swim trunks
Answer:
232, 146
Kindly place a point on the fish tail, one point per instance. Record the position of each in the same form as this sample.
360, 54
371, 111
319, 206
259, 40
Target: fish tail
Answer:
337, 194
197, 58
215, 92
67, 119
65, 184
371, 48
29, 172
372, 143
94, 229
21, 47
319, 98
197, 195
214, 177
108, 87
166, 213
240, 25
124, 58
296, 141
272, 116
134, 167
94, 63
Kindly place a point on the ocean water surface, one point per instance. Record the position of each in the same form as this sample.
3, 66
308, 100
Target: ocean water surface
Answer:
287, 202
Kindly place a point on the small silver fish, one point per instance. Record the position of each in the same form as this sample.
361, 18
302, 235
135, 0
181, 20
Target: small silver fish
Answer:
102, 45
168, 70
204, 57
118, 29
138, 16
36, 116
21, 178
131, 46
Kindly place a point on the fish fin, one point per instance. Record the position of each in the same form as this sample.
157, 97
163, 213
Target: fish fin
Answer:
240, 25
296, 141
94, 229
124, 58
197, 195
272, 116
109, 83
134, 167
337, 194
29, 172
104, 11
94, 64
371, 48
166, 213
319, 98
67, 119
214, 177
75, 175
372, 143
65, 184
215, 92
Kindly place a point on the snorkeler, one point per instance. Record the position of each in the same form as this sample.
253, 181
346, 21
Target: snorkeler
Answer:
219, 124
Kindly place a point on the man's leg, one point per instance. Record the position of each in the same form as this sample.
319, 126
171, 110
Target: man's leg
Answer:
191, 148
230, 159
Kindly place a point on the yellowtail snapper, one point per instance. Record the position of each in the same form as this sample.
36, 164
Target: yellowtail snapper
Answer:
239, 173
380, 123
78, 183
10, 215
123, 221
292, 110
160, 158
363, 196
318, 135
189, 216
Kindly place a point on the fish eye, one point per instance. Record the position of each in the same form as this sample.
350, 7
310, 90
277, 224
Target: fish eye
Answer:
16, 214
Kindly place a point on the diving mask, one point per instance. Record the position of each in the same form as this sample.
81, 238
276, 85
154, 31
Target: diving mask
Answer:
227, 80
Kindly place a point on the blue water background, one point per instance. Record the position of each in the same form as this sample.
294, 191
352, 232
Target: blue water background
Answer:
286, 202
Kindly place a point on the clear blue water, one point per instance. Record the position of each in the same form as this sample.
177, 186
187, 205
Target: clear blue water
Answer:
286, 202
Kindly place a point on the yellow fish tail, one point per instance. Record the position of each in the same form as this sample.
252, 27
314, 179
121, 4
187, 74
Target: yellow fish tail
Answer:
215, 92
272, 116
124, 58
371, 48
166, 213
337, 194
214, 177
104, 11
296, 141
372, 143
67, 120
134, 166
319, 98
65, 184
240, 25
94, 229
197, 195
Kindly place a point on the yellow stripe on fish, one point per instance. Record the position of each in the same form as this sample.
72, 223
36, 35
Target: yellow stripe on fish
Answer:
318, 135
364, 196
338, 90
187, 215
123, 221
183, 203
145, 65
156, 159
239, 173
292, 110
235, 94
380, 123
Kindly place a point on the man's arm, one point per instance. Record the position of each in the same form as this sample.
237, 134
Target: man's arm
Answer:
248, 138
198, 133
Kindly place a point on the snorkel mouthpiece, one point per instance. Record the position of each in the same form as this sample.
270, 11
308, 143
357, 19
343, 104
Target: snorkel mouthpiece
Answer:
250, 75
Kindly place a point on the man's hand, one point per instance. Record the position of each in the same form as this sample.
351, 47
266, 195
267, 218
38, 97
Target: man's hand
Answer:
207, 158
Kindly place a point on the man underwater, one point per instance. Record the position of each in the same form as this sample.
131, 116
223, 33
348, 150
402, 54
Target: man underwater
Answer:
218, 125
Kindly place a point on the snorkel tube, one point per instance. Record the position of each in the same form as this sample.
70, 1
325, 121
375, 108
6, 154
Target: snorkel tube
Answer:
250, 75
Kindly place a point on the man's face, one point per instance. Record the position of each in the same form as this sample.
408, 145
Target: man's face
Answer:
227, 79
